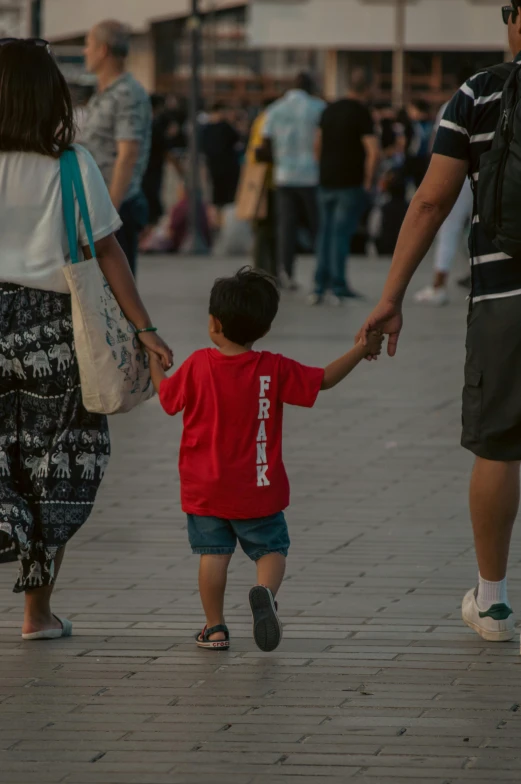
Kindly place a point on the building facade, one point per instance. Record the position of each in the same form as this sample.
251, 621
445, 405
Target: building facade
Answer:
231, 69
413, 48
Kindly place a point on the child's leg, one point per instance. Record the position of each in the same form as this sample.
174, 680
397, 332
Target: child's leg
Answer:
213, 572
270, 571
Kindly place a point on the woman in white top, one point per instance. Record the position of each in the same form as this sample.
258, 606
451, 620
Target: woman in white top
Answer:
53, 453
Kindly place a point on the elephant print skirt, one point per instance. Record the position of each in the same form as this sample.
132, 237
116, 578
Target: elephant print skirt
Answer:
53, 453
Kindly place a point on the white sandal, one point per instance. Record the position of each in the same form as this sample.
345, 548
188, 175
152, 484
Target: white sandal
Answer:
51, 634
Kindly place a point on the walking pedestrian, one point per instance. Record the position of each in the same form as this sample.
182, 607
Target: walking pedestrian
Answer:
492, 393
348, 151
288, 140
234, 485
53, 453
219, 145
117, 129
418, 153
154, 173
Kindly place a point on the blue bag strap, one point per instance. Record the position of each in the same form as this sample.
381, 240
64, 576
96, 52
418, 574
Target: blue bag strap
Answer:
77, 181
69, 211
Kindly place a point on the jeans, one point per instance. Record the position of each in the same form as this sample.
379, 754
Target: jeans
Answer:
295, 205
134, 214
449, 236
340, 211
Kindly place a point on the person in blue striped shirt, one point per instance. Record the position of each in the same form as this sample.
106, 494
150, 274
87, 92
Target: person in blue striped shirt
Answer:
492, 393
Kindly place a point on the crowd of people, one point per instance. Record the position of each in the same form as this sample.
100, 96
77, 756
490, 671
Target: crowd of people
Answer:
329, 178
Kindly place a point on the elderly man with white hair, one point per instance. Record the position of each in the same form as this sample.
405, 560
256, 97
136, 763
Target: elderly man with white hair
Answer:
117, 129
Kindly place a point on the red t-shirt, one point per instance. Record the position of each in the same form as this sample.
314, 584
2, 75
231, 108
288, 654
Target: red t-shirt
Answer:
231, 450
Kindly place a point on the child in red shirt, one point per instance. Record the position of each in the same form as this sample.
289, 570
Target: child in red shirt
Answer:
233, 481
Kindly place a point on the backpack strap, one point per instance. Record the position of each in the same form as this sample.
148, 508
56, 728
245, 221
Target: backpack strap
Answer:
503, 71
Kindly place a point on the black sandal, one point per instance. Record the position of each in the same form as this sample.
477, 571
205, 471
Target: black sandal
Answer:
203, 638
267, 628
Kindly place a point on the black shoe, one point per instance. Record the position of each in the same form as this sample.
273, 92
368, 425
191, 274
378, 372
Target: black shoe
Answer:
267, 629
350, 294
466, 282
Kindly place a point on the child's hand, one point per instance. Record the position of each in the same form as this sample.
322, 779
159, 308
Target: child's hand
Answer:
375, 342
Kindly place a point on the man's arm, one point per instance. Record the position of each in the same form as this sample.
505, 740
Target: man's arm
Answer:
431, 205
128, 154
372, 158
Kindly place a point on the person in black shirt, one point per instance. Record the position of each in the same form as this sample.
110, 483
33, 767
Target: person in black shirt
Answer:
220, 147
153, 177
348, 151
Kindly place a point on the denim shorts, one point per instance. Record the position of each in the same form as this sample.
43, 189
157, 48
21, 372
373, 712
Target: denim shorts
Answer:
257, 537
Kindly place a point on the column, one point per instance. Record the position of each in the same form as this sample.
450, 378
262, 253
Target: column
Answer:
399, 54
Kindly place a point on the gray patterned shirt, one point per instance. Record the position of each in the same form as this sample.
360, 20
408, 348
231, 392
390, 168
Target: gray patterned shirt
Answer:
122, 112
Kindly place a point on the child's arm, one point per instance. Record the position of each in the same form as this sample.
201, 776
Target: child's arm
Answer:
156, 371
340, 368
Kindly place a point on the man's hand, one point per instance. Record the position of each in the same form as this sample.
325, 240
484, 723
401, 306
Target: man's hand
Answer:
386, 318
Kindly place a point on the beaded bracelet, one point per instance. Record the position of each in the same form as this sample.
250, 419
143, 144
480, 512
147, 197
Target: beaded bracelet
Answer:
146, 329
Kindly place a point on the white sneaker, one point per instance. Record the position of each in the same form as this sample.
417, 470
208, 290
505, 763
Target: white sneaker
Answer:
336, 301
314, 300
431, 296
497, 624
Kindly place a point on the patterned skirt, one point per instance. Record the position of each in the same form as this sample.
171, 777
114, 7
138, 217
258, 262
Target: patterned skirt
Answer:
53, 453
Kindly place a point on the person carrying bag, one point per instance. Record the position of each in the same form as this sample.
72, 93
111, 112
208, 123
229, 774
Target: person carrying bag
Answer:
73, 333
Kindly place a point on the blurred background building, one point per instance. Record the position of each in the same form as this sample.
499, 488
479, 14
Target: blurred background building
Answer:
413, 48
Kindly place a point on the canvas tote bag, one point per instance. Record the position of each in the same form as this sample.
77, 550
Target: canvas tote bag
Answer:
114, 371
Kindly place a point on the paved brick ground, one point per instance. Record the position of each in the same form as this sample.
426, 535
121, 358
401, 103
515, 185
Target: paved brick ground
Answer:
377, 680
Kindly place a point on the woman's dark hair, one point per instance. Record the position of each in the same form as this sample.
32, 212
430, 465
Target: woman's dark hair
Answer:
246, 305
36, 113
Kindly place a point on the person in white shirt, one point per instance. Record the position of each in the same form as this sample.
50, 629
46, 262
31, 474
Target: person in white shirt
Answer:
53, 453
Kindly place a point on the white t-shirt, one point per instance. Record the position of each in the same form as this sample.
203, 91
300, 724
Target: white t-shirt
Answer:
33, 239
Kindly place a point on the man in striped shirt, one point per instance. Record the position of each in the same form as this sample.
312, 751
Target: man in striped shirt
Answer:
492, 394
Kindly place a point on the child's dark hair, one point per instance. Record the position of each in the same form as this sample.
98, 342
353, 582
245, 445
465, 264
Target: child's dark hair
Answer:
245, 304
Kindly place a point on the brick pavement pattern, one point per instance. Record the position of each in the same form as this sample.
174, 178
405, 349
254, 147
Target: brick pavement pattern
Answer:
376, 680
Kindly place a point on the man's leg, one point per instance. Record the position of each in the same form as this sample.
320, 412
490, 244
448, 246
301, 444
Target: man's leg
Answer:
213, 574
494, 503
323, 270
349, 207
287, 229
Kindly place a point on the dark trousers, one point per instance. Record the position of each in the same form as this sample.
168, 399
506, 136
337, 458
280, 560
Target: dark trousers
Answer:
134, 214
295, 206
265, 235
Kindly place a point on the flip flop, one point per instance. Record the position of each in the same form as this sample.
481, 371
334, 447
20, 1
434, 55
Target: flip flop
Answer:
51, 634
203, 638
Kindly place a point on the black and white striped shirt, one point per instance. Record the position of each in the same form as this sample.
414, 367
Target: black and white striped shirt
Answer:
466, 132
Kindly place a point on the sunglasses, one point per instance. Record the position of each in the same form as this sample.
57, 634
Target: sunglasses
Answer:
508, 12
39, 42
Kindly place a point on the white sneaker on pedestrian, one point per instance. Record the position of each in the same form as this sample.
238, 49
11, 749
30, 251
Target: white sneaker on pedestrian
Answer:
496, 624
431, 296
314, 300
336, 301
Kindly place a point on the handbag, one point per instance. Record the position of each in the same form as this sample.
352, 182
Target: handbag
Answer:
114, 370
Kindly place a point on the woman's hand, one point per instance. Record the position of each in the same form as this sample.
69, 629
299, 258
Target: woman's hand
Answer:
154, 344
